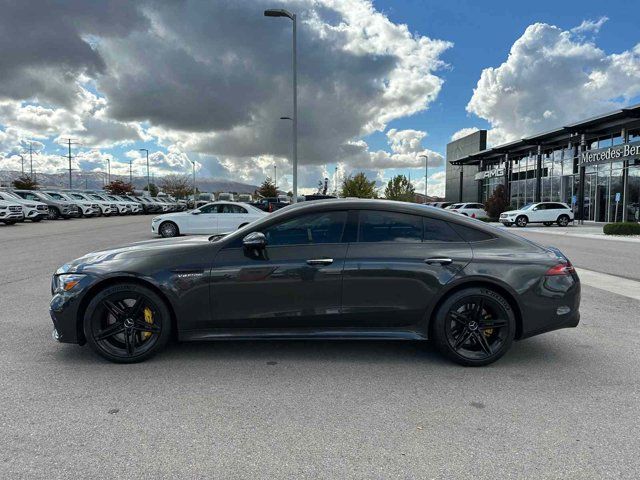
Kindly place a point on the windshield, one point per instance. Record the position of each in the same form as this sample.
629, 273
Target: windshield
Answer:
12, 195
97, 197
77, 196
528, 207
455, 205
56, 196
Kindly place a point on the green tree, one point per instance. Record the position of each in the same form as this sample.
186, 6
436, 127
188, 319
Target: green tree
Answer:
497, 202
153, 189
25, 182
268, 188
358, 186
118, 187
399, 188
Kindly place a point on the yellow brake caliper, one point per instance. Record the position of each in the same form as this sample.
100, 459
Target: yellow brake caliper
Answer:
148, 317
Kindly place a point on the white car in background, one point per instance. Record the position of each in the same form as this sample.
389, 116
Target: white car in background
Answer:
473, 210
32, 210
10, 212
105, 208
210, 219
87, 208
546, 213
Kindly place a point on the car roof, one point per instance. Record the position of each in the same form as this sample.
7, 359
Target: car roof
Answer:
387, 205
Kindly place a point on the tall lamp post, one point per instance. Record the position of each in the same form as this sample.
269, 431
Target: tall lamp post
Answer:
426, 175
22, 162
148, 182
194, 182
292, 17
108, 170
275, 177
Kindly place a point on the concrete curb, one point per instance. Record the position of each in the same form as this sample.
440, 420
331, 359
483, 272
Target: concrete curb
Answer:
570, 233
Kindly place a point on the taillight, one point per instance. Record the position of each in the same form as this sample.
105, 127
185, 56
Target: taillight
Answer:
561, 269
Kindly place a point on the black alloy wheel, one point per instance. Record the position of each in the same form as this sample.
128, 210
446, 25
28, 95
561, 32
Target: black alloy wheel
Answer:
53, 214
168, 230
563, 220
127, 323
474, 327
522, 221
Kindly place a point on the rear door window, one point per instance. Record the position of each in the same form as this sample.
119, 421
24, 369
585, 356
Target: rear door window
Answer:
378, 226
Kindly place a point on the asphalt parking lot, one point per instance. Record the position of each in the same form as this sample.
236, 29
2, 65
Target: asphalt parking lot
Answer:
561, 405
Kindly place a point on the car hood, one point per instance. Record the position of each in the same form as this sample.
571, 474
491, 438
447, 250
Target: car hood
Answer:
94, 261
511, 212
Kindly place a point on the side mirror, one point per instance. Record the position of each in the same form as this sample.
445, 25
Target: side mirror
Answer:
535, 209
195, 212
255, 240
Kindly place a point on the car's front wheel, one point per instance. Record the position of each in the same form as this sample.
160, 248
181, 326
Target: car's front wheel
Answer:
54, 213
127, 323
522, 221
563, 220
474, 326
168, 229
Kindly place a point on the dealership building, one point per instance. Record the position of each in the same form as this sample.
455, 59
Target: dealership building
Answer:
592, 165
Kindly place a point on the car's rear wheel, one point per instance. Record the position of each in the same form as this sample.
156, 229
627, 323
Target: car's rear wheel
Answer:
168, 229
522, 221
563, 220
127, 323
474, 327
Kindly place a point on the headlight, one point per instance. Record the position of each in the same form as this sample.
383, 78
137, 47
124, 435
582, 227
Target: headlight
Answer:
68, 281
155, 220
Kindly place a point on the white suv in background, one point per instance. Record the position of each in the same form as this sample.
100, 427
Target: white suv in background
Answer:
546, 213
473, 210
32, 210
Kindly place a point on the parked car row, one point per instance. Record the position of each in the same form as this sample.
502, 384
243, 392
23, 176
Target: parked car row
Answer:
35, 205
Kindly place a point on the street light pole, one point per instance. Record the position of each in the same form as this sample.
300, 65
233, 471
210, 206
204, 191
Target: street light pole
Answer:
130, 173
275, 177
292, 17
194, 183
108, 170
22, 162
148, 182
426, 175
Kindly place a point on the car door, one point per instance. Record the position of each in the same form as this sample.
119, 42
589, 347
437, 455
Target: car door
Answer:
230, 217
295, 282
204, 222
397, 267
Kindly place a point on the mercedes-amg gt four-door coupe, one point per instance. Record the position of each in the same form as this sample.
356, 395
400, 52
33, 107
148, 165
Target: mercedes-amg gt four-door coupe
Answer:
333, 269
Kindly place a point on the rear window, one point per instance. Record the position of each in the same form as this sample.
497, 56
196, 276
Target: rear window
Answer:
471, 234
439, 231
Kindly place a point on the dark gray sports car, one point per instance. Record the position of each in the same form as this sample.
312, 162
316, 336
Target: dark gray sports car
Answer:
336, 269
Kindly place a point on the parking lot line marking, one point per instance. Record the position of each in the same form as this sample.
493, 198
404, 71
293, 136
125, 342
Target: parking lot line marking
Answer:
610, 283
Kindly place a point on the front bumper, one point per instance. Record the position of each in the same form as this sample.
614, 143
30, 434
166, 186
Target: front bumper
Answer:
11, 216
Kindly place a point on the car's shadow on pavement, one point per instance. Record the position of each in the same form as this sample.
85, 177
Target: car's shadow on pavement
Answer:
535, 352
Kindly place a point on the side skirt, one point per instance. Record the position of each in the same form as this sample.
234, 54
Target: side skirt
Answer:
299, 334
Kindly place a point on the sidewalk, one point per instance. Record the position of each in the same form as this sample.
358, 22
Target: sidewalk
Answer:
587, 230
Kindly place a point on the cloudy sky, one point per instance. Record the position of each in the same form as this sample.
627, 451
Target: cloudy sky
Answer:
380, 83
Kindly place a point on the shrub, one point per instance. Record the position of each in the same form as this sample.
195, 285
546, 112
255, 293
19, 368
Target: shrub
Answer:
624, 228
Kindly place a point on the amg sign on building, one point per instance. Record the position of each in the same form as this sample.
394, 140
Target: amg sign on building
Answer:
617, 153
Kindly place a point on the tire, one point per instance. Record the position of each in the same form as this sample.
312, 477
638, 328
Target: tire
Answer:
168, 230
54, 213
9, 222
563, 220
469, 338
521, 221
116, 325
547, 224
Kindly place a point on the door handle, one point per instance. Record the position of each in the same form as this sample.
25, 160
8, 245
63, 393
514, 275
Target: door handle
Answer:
320, 261
441, 261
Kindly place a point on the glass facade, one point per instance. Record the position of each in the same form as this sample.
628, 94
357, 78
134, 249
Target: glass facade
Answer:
604, 182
